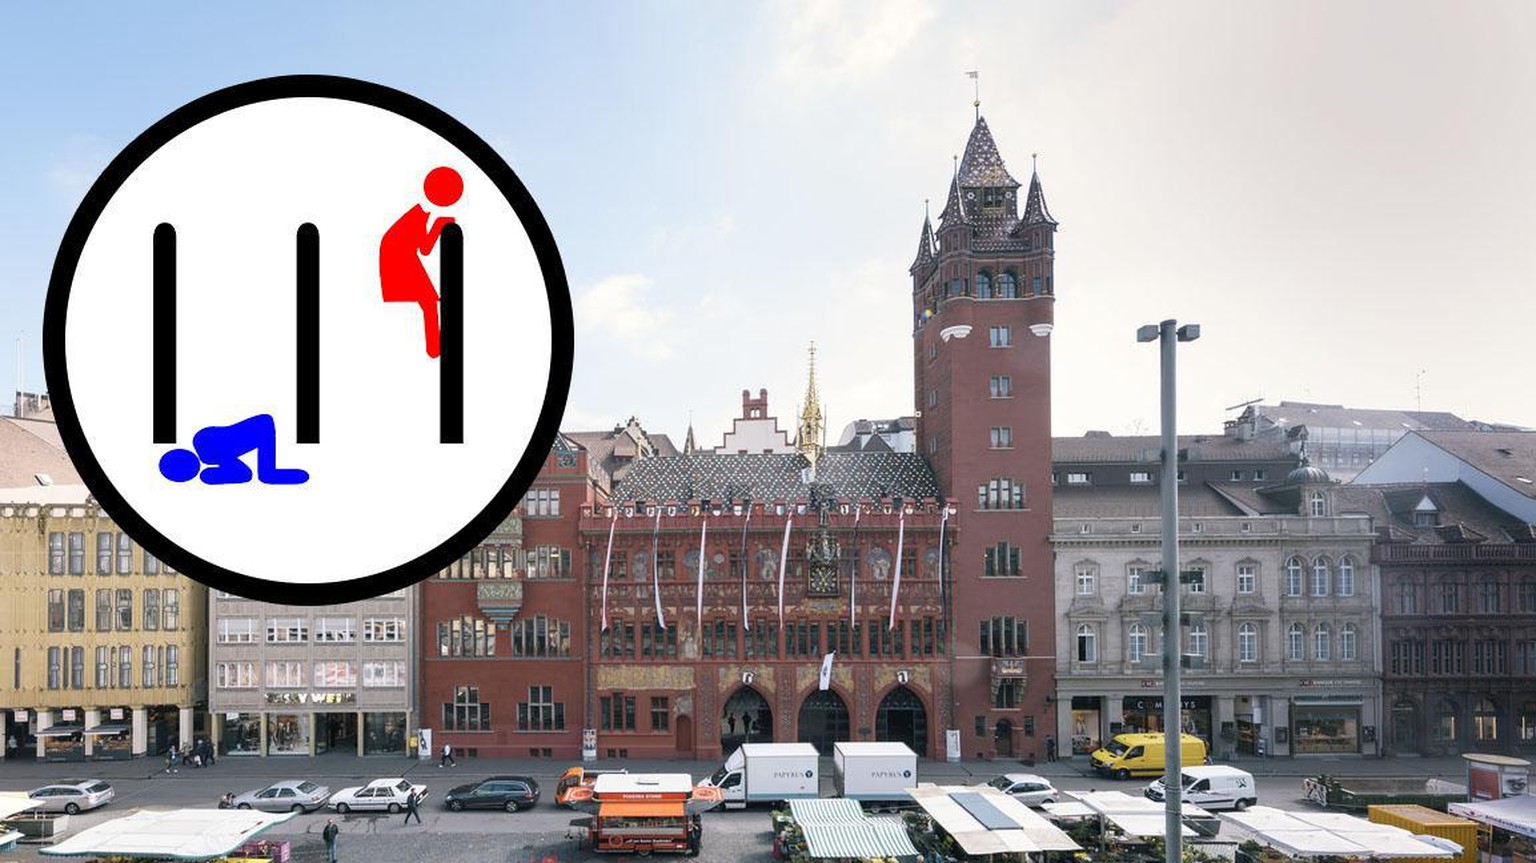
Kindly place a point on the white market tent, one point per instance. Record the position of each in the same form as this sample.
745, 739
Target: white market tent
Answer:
985, 821
13, 803
179, 834
1136, 816
1515, 814
1330, 834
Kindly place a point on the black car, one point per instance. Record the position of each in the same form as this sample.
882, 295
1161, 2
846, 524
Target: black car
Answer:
498, 792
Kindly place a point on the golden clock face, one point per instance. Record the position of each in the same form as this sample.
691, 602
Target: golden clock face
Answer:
823, 583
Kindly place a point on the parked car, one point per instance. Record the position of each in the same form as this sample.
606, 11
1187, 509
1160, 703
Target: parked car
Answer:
380, 795
498, 792
290, 795
1027, 788
72, 795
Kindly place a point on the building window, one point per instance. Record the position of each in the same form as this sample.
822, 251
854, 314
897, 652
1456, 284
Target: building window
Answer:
1002, 437
540, 712
104, 610
999, 337
1348, 643
468, 636
1320, 577
236, 675
983, 285
1317, 505
1010, 692
1087, 579
124, 610
1007, 285
1079, 478
1004, 636
151, 609
151, 563
335, 674
1444, 730
466, 712
1248, 642
1407, 599
56, 553
1000, 387
287, 630
285, 675
1247, 577
170, 609
541, 637
1346, 576
1000, 493
1322, 643
542, 502
1087, 644
103, 553
237, 630
1134, 583
549, 561
1487, 596
77, 553
1136, 643
617, 712
124, 554
1141, 477
384, 629
1199, 640
1295, 642
103, 670
1485, 721
172, 665
1002, 560
661, 714
1527, 596
335, 630
125, 667
1237, 476
1293, 569
1450, 597
384, 674
55, 667
1200, 580
56, 611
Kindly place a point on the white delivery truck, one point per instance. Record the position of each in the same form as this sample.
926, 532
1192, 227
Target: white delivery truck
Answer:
1211, 786
874, 772
768, 773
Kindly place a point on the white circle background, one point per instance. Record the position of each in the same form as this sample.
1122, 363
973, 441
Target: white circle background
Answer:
382, 490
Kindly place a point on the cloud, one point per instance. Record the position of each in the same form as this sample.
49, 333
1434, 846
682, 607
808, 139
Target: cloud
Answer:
838, 40
622, 309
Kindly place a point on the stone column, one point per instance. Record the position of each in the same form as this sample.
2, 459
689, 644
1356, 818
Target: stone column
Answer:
312, 725
1225, 714
140, 731
216, 731
261, 748
44, 719
184, 726
92, 719
361, 731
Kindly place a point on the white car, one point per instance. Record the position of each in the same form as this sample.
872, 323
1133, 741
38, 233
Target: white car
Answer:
1027, 788
72, 795
380, 795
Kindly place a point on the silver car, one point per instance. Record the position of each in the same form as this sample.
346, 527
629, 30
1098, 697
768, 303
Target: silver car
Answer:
72, 795
1027, 788
290, 795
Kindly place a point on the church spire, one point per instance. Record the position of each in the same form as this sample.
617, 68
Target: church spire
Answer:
810, 434
954, 208
689, 447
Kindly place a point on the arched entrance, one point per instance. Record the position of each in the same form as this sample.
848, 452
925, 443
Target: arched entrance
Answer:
745, 719
1002, 739
1405, 728
684, 735
901, 718
823, 720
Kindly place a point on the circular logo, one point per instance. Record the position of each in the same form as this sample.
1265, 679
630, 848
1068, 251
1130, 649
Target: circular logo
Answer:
308, 332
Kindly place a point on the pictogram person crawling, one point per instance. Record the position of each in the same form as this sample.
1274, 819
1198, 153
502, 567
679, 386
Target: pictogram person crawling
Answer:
402, 276
215, 457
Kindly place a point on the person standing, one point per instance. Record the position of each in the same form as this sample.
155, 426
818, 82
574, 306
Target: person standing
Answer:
448, 756
329, 834
410, 808
1050, 748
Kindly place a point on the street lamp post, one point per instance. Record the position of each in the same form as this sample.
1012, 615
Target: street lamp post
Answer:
1169, 333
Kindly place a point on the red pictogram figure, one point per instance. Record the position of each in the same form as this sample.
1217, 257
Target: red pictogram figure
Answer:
401, 274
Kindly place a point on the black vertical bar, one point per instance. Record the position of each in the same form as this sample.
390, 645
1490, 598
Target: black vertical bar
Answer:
163, 334
451, 328
307, 324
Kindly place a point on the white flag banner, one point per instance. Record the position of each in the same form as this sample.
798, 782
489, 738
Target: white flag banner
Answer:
853, 575
826, 672
789, 517
661, 618
943, 523
703, 562
608, 563
746, 625
901, 535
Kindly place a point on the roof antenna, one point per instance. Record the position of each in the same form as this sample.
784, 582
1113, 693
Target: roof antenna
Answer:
976, 77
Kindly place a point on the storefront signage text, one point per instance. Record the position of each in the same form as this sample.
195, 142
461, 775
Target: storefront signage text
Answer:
1331, 683
311, 697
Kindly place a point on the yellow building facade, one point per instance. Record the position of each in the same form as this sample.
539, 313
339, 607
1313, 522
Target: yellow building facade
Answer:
102, 646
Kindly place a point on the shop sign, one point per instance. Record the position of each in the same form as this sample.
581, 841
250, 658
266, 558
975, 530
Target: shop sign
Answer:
115, 713
1188, 702
1331, 683
21, 715
68, 715
231, 716
311, 697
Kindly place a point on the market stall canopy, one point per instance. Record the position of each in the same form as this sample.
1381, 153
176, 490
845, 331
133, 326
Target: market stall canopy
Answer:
15, 803
1137, 816
874, 839
65, 730
1515, 814
176, 834
984, 820
109, 729
1330, 834
1069, 809
832, 810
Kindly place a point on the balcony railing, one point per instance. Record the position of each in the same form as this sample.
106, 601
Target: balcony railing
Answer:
1452, 553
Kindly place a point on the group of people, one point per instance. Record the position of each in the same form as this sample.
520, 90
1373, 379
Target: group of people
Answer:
198, 754
332, 830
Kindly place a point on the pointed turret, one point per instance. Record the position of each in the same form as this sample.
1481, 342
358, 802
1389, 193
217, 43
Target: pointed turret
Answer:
982, 166
810, 433
924, 246
954, 209
689, 447
1035, 211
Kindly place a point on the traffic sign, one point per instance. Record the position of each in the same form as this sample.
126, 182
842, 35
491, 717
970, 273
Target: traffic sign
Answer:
308, 332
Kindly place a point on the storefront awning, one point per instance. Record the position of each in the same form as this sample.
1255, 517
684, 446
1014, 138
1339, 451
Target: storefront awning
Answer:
1515, 814
1331, 834
176, 834
874, 839
109, 730
62, 730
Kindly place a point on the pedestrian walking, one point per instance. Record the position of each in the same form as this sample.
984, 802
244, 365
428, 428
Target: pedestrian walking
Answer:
330, 833
172, 760
448, 758
410, 808
1050, 748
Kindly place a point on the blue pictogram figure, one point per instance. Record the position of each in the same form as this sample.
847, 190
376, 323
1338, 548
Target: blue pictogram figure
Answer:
218, 449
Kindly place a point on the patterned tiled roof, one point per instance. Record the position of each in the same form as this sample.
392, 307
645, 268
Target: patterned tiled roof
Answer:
777, 476
982, 165
1035, 210
954, 209
924, 246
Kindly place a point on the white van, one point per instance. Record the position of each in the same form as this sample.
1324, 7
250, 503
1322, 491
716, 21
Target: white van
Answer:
1212, 786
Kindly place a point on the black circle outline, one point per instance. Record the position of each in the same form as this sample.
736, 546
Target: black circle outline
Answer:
557, 289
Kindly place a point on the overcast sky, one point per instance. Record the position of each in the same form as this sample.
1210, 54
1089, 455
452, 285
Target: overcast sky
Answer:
1342, 194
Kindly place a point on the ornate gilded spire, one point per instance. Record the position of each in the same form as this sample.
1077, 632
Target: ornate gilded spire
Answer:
810, 433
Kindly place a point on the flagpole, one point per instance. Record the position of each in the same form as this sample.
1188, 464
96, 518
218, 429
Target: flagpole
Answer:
853, 576
746, 624
703, 562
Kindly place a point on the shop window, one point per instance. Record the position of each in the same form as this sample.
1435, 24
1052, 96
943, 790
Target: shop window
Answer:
1444, 730
1485, 721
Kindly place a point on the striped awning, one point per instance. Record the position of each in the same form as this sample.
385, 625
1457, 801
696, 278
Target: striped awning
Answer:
836, 810
872, 839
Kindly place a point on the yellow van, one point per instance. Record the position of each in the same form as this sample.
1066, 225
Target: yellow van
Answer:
1143, 755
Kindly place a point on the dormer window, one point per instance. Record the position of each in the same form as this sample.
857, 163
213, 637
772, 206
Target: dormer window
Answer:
1425, 513
992, 198
1318, 505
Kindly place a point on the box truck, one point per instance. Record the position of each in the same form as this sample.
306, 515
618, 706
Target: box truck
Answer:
768, 773
1211, 786
874, 772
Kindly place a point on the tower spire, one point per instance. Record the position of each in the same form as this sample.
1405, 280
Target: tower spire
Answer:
810, 435
975, 77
